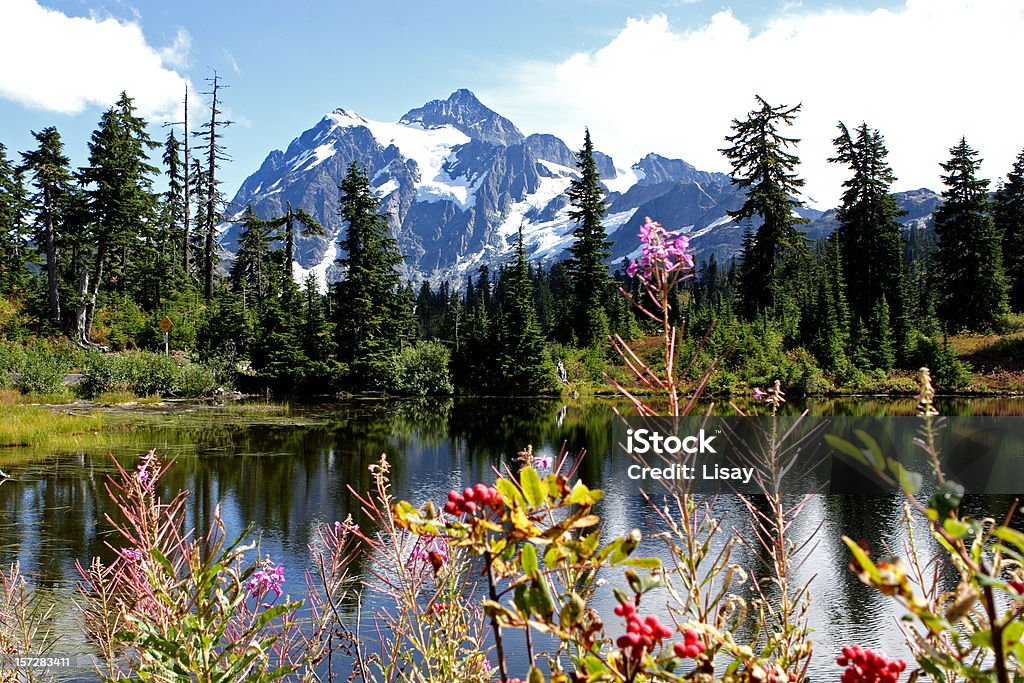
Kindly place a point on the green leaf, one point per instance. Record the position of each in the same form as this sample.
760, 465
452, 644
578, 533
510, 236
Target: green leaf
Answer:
847, 448
641, 563
955, 527
535, 675
572, 611
982, 639
528, 558
581, 495
873, 451
863, 560
1012, 536
910, 482
509, 492
1012, 633
593, 665
532, 487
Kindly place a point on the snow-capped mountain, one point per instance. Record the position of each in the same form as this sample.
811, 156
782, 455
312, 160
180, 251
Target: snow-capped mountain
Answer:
457, 180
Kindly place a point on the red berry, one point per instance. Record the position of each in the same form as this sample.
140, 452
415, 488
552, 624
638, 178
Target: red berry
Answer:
451, 508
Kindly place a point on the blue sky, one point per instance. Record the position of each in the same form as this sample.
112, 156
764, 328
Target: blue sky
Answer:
661, 76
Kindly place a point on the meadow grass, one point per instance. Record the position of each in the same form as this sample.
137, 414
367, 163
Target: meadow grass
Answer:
27, 431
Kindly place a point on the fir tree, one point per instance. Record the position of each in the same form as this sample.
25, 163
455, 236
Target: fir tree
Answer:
175, 220
1009, 218
14, 238
969, 256
251, 273
831, 316
869, 232
367, 297
881, 348
523, 363
763, 167
50, 172
120, 202
586, 267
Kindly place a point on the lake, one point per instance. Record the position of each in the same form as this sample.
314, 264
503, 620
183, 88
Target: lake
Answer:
287, 472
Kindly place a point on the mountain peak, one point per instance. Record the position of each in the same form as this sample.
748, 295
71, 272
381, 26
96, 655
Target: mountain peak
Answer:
463, 111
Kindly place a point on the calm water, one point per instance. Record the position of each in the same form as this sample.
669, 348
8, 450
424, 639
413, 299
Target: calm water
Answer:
288, 477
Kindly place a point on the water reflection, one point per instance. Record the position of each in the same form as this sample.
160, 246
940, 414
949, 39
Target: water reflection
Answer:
287, 477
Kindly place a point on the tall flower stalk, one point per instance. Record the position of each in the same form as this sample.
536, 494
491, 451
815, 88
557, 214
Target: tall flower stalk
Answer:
664, 263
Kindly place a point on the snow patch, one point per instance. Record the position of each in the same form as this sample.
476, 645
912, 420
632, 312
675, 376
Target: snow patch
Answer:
719, 221
299, 274
624, 179
323, 153
558, 169
386, 189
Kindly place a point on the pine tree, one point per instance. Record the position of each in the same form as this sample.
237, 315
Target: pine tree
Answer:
286, 228
523, 362
587, 269
969, 257
175, 203
211, 150
14, 239
831, 315
869, 232
317, 333
120, 202
762, 166
881, 346
367, 297
250, 273
51, 175
1009, 218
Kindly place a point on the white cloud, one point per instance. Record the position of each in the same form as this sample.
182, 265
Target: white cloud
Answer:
65, 64
924, 75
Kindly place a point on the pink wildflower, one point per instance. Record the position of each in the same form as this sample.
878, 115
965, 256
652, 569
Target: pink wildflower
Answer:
543, 461
758, 394
431, 549
662, 252
148, 471
131, 554
266, 578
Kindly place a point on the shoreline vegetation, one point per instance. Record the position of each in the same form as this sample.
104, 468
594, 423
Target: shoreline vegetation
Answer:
119, 271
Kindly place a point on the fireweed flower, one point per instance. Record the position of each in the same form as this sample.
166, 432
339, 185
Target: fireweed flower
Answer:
131, 554
432, 549
269, 577
662, 251
543, 461
148, 472
758, 394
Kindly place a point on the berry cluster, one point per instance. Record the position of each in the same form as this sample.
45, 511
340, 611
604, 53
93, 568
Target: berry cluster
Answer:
473, 500
868, 666
691, 646
1017, 586
642, 634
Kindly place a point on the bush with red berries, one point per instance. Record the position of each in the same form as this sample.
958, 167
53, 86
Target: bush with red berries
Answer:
642, 634
868, 666
472, 500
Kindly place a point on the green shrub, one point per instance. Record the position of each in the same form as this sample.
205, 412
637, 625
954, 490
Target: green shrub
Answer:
948, 371
41, 375
195, 380
1010, 323
127, 323
422, 370
144, 373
